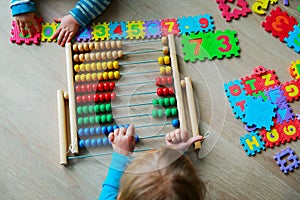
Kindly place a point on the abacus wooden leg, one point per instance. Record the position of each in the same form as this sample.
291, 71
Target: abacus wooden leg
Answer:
192, 110
62, 127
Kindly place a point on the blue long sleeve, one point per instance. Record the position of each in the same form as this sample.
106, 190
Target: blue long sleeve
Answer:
110, 186
22, 6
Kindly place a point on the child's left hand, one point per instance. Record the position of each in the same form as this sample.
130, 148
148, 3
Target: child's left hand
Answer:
67, 29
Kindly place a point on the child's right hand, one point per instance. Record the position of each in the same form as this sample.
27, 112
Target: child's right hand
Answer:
123, 140
27, 24
179, 139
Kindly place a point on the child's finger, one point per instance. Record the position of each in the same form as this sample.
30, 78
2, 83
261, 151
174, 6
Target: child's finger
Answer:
116, 131
184, 135
57, 20
111, 137
194, 139
130, 130
122, 131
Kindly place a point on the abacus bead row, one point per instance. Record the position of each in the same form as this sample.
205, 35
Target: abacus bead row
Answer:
165, 70
165, 91
165, 102
96, 66
100, 76
164, 60
169, 112
91, 109
97, 46
95, 87
96, 98
105, 55
97, 142
166, 80
99, 119
90, 131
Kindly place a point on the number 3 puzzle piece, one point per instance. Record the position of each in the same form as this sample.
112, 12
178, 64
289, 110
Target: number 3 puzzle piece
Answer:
232, 13
18, 38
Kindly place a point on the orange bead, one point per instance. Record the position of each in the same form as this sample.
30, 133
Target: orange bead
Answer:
113, 44
107, 45
75, 47
102, 45
87, 57
97, 46
92, 56
103, 56
165, 50
86, 46
119, 44
81, 57
76, 57
98, 56
164, 40
80, 47
91, 46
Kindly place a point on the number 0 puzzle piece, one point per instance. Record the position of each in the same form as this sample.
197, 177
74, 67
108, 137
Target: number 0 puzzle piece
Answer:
47, 32
287, 160
18, 38
230, 13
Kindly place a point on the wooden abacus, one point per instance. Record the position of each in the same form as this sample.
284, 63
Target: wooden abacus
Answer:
94, 71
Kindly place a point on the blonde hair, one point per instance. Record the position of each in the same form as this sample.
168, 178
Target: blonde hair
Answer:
164, 174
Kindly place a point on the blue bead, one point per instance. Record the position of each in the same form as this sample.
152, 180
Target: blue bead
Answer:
92, 131
87, 143
80, 132
110, 129
86, 131
81, 144
98, 130
175, 123
93, 142
99, 142
104, 130
116, 127
105, 141
137, 139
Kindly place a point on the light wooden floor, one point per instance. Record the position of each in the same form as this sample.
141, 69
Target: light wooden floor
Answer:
30, 76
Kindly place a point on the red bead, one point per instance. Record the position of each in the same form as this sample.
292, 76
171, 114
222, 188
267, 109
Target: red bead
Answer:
112, 85
84, 99
90, 98
164, 81
165, 91
78, 88
113, 96
89, 88
106, 86
96, 98
83, 88
159, 91
95, 86
101, 97
107, 96
100, 87
170, 80
158, 81
78, 99
171, 91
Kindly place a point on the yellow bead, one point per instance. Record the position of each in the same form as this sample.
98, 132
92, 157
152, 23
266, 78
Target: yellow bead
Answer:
88, 77
168, 70
117, 74
77, 78
82, 67
116, 64
94, 77
110, 65
99, 66
111, 75
160, 60
82, 78
93, 66
76, 68
166, 60
104, 66
88, 67
100, 76
105, 76
162, 70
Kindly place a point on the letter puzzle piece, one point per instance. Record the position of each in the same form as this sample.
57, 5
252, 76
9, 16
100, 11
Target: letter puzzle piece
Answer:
260, 6
47, 32
239, 9
252, 143
18, 38
287, 160
291, 90
293, 40
295, 69
152, 29
279, 23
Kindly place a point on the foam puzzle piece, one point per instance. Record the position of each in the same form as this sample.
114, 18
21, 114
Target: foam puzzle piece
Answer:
230, 13
295, 69
290, 130
206, 23
152, 29
290, 163
118, 30
169, 26
135, 30
275, 95
293, 40
279, 23
272, 137
100, 31
291, 90
259, 113
195, 24
252, 143
47, 32
260, 6
18, 38
284, 113
84, 35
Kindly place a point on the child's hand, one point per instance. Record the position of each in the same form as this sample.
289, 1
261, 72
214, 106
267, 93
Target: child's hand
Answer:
27, 24
67, 29
179, 139
123, 140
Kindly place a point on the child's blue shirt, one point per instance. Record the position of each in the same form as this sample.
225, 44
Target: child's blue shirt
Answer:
84, 11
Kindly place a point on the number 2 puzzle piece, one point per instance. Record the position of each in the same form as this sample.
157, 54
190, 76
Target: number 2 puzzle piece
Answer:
293, 40
18, 38
287, 160
279, 23
84, 35
230, 13
252, 143
295, 69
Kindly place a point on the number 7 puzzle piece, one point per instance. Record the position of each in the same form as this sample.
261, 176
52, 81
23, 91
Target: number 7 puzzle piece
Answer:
18, 38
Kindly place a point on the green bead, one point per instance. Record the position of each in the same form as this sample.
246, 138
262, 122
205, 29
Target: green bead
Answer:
109, 118
80, 121
102, 108
86, 120
168, 112
160, 113
92, 119
96, 108
172, 101
98, 119
91, 109
161, 101
166, 102
155, 102
108, 107
79, 110
103, 119
154, 113
174, 111
85, 109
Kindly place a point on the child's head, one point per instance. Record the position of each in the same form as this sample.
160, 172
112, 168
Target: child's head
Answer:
160, 175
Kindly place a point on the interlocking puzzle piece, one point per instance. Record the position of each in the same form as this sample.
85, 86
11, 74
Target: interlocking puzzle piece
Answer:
290, 130
287, 160
135, 30
295, 69
272, 137
279, 23
206, 23
100, 31
293, 40
291, 90
152, 29
252, 143
187, 25
286, 2
18, 38
275, 95
284, 113
84, 35
260, 6
230, 13
47, 32
169, 26
259, 113
118, 30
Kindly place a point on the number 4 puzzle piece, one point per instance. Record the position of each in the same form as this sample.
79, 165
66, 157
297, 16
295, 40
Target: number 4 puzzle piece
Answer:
18, 38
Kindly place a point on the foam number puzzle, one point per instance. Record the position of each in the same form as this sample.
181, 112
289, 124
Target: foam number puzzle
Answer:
195, 24
48, 31
203, 46
135, 30
100, 31
262, 103
293, 40
152, 29
287, 160
169, 26
260, 6
84, 35
118, 30
233, 11
18, 38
